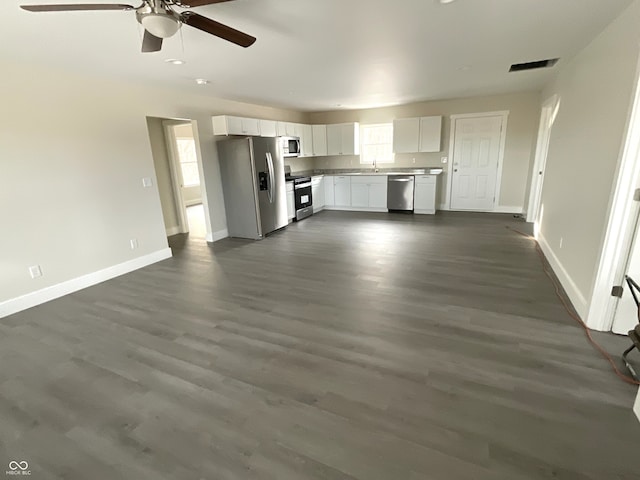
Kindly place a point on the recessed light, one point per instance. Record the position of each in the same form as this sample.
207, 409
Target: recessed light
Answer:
202, 81
175, 61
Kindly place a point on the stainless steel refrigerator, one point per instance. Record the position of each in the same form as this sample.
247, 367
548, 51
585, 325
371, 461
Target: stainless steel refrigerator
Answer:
255, 197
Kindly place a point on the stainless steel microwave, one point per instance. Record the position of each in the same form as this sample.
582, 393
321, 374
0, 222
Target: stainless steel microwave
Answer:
290, 146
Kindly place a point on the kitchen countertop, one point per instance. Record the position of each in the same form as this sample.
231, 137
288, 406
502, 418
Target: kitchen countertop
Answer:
368, 171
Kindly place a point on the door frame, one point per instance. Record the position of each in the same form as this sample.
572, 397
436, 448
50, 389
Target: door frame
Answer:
621, 224
547, 117
503, 140
176, 175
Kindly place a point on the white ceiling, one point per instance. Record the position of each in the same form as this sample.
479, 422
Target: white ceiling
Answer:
316, 54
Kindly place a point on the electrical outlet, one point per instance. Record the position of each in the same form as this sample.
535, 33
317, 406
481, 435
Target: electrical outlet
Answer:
146, 182
413, 159
133, 243
35, 271
444, 159
561, 241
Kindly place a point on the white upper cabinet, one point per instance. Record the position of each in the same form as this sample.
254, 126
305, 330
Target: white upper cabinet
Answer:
228, 125
306, 141
289, 129
406, 135
419, 134
343, 139
334, 139
430, 134
267, 128
319, 134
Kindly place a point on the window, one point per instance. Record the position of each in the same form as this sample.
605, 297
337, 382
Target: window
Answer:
377, 144
188, 161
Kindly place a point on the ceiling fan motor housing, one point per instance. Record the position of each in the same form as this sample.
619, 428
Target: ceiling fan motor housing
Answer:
158, 19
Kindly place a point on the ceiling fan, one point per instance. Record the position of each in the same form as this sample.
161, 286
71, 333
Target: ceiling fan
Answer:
160, 20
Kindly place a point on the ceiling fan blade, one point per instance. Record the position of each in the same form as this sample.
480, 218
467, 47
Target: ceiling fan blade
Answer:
197, 3
151, 43
218, 29
76, 7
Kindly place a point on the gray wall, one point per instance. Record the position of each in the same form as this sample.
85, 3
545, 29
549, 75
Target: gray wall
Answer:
74, 150
522, 128
595, 91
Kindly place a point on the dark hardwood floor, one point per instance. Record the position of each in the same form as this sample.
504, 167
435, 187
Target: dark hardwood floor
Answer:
348, 346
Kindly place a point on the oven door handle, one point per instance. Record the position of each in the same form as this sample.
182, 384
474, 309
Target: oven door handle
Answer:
271, 176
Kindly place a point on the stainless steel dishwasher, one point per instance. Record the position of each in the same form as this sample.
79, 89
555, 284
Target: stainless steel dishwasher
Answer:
400, 192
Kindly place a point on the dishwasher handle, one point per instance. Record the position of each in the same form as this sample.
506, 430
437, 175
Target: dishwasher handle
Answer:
401, 179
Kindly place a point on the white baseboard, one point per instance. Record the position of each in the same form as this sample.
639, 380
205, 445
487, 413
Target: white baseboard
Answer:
636, 406
576, 297
355, 209
173, 231
219, 235
425, 212
15, 305
497, 209
507, 209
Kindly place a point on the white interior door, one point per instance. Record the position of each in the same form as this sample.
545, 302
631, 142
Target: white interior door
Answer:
476, 154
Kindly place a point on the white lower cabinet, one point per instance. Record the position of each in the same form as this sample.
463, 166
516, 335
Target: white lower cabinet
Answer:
355, 192
378, 195
291, 203
329, 191
317, 193
359, 195
425, 194
369, 192
342, 191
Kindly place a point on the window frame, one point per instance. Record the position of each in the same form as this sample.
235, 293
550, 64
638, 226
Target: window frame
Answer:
374, 162
194, 161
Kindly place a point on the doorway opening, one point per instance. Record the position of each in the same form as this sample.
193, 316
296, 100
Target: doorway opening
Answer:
181, 185
548, 116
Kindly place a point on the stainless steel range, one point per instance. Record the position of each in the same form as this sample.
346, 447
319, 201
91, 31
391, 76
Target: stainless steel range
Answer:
302, 195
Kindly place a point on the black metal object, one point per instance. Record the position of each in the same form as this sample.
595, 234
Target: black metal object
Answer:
634, 334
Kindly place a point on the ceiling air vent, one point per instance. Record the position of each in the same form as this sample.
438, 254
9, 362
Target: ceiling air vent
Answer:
519, 67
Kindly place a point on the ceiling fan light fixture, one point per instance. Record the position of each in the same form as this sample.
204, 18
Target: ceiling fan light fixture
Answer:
160, 25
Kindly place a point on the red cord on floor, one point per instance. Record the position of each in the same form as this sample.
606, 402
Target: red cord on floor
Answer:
569, 309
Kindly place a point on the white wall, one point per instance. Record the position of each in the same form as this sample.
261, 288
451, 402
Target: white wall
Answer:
595, 92
636, 406
522, 128
73, 151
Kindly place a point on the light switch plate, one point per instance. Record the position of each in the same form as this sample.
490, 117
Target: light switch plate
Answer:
133, 243
444, 159
35, 271
146, 182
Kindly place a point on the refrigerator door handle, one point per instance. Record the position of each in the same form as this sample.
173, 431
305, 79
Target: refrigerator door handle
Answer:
271, 176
